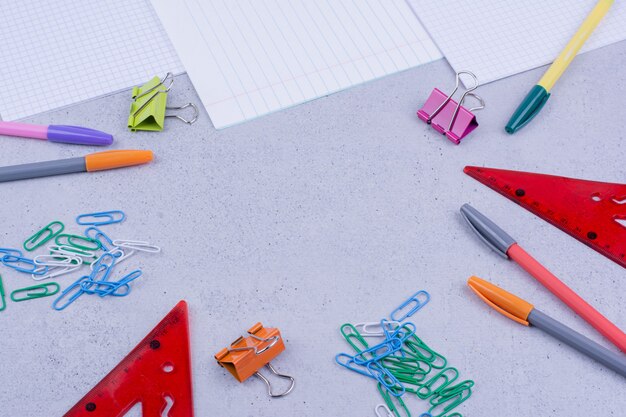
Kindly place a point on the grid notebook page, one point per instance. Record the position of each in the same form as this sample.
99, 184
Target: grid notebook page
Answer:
248, 58
56, 53
496, 38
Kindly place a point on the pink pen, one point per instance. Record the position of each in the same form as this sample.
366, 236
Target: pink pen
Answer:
505, 245
57, 133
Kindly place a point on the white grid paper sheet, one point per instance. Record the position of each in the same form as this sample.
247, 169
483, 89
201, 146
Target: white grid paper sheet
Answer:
248, 58
498, 38
59, 52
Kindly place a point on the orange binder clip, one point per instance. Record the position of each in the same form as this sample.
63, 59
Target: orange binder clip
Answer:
247, 355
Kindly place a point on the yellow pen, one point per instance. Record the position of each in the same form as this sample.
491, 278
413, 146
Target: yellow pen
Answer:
540, 93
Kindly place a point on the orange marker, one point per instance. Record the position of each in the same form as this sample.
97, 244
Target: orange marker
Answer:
505, 245
525, 313
92, 162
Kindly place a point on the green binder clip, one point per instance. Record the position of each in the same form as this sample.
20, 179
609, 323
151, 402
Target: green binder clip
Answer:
148, 110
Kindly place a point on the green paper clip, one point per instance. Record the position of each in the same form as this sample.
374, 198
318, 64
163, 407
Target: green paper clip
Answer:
389, 402
147, 111
44, 235
449, 403
438, 383
3, 301
354, 338
73, 240
36, 291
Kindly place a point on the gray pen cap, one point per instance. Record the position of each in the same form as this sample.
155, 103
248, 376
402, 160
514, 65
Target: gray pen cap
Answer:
496, 238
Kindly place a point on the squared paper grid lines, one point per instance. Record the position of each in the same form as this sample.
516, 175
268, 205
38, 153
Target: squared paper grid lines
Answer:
59, 53
496, 39
250, 58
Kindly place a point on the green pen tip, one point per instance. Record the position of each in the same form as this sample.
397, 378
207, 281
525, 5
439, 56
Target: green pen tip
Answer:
529, 108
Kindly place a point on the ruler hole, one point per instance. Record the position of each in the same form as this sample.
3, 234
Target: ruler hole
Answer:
90, 407
592, 235
596, 197
168, 367
520, 192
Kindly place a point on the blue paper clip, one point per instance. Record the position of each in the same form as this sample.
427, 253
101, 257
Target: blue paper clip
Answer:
348, 364
418, 305
124, 283
78, 291
100, 271
405, 331
101, 268
390, 347
387, 327
91, 287
112, 287
11, 252
397, 332
98, 236
101, 218
382, 374
14, 262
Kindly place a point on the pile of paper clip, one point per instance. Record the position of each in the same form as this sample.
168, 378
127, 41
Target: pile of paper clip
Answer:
71, 252
402, 363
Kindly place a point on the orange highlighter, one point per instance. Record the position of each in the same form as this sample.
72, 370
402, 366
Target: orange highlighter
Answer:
505, 245
89, 163
525, 313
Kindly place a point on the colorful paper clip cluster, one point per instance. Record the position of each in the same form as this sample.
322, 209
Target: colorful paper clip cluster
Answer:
69, 253
402, 363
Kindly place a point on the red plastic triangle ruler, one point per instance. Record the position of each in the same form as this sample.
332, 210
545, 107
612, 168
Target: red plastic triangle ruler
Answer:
587, 210
157, 373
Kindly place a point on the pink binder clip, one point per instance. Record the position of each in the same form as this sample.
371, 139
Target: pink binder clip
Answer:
447, 116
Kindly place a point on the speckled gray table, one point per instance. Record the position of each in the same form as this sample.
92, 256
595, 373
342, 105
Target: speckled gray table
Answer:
329, 212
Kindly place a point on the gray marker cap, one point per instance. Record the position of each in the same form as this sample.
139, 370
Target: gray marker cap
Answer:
489, 232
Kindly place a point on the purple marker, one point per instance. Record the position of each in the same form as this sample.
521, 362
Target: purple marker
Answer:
57, 133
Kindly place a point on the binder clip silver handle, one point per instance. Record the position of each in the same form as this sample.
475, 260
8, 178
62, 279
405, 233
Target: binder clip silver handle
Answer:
168, 76
481, 102
196, 113
269, 385
456, 87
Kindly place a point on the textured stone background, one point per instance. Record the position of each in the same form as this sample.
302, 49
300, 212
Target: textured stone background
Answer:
329, 212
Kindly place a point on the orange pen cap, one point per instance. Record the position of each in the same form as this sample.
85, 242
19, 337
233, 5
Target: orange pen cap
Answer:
116, 159
503, 302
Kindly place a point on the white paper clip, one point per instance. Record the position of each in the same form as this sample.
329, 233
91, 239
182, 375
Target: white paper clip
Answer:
119, 255
57, 260
384, 407
367, 328
56, 271
136, 245
71, 251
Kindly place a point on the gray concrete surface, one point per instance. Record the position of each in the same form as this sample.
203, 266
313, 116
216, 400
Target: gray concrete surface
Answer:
329, 212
